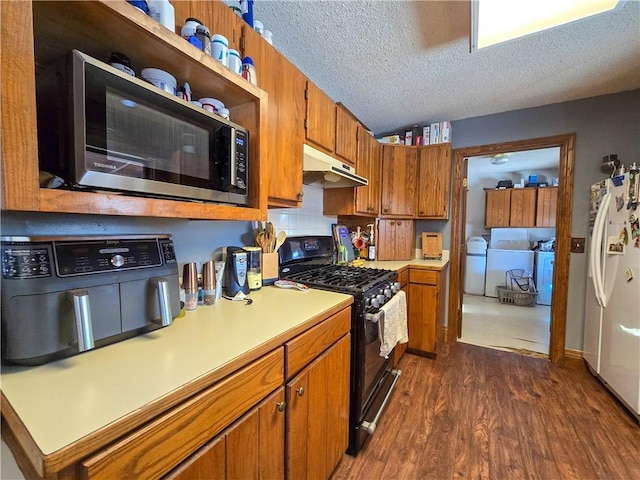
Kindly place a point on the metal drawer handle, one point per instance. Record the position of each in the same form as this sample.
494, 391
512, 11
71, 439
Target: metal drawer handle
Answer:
281, 406
300, 391
82, 314
162, 285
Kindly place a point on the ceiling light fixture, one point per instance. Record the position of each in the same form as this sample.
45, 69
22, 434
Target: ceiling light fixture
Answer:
496, 21
499, 159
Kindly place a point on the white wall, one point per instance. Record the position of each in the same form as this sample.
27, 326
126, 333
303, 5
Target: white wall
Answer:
307, 220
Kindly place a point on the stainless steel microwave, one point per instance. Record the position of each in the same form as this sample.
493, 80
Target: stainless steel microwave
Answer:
101, 129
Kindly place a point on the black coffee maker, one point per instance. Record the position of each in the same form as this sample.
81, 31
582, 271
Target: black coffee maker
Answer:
235, 272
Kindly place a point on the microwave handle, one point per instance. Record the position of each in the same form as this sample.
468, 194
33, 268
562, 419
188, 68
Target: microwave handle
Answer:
82, 313
162, 287
233, 174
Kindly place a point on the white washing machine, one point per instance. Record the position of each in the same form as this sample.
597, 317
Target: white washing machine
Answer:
475, 266
509, 249
544, 276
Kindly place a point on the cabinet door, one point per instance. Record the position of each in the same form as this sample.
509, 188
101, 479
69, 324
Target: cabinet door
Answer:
215, 15
346, 135
396, 240
318, 414
255, 445
434, 184
285, 86
422, 317
368, 165
207, 464
321, 118
546, 206
285, 151
523, 207
399, 168
497, 208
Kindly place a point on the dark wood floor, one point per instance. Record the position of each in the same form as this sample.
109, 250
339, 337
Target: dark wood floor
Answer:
478, 413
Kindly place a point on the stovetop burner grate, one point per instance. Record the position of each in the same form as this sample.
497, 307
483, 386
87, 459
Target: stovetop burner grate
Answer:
343, 278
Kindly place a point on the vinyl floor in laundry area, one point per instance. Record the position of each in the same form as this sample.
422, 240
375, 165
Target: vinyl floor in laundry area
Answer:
489, 323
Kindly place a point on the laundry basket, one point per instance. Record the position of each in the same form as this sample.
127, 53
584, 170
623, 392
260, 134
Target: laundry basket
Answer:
519, 290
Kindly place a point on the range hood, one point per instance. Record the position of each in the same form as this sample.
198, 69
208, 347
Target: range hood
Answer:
321, 169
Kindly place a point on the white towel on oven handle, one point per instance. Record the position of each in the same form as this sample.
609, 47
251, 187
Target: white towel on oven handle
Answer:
392, 326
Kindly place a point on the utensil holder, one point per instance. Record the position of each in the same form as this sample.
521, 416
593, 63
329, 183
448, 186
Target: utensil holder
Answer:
269, 268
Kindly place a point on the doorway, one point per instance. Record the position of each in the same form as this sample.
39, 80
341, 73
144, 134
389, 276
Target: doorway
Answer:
498, 318
557, 324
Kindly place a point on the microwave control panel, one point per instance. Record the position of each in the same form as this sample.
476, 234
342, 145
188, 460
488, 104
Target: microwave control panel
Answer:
23, 260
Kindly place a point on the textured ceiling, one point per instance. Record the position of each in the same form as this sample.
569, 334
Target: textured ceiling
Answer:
399, 63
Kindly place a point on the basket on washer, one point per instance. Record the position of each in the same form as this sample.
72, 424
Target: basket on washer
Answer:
520, 289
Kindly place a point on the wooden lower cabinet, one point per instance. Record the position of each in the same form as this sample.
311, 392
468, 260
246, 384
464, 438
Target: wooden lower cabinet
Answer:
252, 448
426, 311
235, 428
318, 414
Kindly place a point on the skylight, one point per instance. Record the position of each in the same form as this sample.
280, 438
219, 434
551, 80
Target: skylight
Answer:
496, 21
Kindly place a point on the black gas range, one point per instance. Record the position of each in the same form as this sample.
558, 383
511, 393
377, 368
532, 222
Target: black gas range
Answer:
309, 260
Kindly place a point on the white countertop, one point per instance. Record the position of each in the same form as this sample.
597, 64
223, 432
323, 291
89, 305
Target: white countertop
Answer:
63, 401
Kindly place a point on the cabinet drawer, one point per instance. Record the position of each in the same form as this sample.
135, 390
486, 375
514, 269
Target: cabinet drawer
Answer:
155, 449
427, 277
307, 346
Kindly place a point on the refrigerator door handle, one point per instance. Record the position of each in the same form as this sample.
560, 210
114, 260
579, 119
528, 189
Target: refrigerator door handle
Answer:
598, 248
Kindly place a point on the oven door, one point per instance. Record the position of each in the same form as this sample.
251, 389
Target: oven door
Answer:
374, 365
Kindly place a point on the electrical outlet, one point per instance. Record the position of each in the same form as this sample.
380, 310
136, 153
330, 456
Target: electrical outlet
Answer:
577, 244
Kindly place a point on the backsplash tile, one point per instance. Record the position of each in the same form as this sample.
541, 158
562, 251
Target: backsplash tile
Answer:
306, 220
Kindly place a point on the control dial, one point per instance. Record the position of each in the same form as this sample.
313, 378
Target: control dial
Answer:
117, 260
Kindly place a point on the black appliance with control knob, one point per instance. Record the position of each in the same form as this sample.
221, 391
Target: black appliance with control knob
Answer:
65, 295
309, 260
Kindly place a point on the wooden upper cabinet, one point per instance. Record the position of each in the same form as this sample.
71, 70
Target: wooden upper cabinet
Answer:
321, 118
361, 201
285, 86
523, 207
217, 16
434, 181
546, 206
399, 169
346, 136
285, 181
369, 166
396, 239
497, 208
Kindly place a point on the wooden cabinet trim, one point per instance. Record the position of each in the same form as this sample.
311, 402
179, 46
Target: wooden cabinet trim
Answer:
158, 447
304, 348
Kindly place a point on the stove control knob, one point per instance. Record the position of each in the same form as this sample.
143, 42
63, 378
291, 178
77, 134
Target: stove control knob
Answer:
388, 293
397, 287
367, 302
381, 299
375, 303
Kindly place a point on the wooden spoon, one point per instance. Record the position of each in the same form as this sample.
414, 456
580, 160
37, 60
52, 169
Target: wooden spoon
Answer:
282, 236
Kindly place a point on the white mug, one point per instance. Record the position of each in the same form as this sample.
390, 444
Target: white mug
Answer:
235, 62
220, 49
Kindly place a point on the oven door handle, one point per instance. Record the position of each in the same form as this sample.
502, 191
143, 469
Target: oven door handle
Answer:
370, 427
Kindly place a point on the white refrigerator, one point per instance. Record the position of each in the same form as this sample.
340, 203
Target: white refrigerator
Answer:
612, 311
